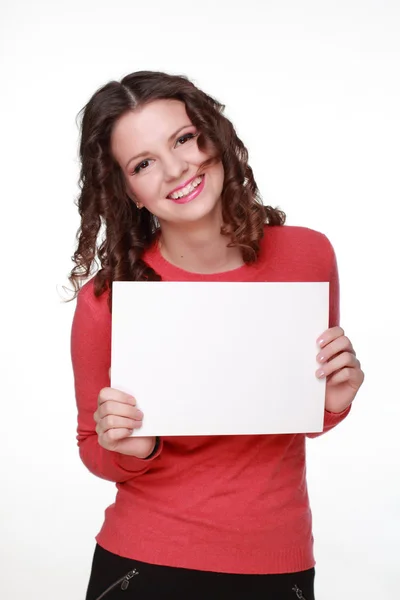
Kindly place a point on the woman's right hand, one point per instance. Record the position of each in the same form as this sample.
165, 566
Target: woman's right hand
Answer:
116, 417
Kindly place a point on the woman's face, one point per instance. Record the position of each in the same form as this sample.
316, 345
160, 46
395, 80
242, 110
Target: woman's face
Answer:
156, 148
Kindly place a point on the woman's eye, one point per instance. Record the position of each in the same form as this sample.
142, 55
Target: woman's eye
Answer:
140, 165
186, 137
183, 139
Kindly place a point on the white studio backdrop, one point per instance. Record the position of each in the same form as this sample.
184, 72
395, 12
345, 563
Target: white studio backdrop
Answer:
313, 90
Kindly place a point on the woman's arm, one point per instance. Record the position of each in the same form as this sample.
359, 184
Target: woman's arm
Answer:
332, 419
91, 358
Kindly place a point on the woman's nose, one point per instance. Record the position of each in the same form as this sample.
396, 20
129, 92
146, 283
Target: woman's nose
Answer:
174, 168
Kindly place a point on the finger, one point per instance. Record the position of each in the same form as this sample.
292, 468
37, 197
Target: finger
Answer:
109, 393
340, 344
118, 408
345, 359
113, 422
348, 374
329, 335
111, 438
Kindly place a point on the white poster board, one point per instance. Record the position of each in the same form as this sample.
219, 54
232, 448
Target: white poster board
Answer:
220, 358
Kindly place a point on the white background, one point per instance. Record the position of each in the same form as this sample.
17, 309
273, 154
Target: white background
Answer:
313, 90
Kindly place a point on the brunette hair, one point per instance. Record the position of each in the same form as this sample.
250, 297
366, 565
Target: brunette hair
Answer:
104, 205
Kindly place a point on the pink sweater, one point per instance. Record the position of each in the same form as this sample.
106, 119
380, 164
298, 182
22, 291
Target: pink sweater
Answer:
234, 504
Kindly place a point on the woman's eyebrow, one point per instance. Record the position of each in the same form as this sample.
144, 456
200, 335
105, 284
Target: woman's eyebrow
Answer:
171, 137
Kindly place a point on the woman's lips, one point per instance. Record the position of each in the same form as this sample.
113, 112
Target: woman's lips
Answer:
192, 195
178, 189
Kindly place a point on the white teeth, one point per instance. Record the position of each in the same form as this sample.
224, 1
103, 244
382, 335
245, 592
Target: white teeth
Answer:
186, 190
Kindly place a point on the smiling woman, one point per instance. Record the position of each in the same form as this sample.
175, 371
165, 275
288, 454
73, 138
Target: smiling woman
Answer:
142, 140
165, 174
170, 159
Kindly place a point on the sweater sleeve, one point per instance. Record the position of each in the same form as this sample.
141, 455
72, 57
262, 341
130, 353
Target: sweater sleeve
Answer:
91, 359
332, 419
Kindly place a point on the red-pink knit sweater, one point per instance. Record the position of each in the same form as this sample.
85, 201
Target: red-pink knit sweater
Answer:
234, 504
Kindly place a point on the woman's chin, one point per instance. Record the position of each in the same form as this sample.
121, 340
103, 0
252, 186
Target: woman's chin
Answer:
198, 209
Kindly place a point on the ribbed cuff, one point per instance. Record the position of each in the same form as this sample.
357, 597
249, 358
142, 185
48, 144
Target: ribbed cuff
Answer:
337, 416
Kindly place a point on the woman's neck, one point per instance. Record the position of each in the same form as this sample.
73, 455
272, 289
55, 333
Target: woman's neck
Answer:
199, 250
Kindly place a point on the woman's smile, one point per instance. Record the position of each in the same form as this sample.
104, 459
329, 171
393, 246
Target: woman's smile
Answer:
190, 192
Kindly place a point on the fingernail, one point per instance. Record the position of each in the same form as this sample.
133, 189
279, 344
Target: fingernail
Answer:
320, 342
320, 358
139, 414
320, 373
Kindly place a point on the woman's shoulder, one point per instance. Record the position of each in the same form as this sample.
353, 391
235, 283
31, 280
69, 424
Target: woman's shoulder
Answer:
86, 292
297, 251
86, 298
302, 239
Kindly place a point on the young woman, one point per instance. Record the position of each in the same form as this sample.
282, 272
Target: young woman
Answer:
167, 194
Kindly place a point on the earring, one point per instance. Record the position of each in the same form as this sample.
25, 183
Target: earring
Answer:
137, 205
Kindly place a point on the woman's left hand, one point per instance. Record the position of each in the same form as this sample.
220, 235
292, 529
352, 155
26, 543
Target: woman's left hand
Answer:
338, 363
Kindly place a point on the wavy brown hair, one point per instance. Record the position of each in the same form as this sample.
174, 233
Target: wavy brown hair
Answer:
108, 213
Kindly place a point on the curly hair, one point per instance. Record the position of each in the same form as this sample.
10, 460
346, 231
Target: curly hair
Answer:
108, 213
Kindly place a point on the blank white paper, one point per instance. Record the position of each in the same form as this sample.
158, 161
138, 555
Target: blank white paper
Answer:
220, 358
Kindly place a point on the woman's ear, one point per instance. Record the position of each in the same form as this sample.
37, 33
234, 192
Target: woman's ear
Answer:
132, 197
